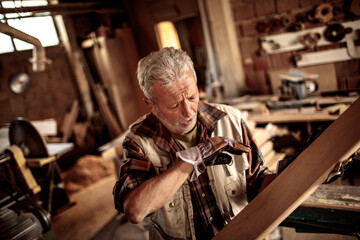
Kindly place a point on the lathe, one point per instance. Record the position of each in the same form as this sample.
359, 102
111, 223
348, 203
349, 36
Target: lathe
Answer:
31, 187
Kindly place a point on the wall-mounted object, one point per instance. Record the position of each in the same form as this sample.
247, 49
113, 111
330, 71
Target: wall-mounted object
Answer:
355, 7
322, 57
310, 40
19, 83
335, 32
324, 12
291, 41
351, 51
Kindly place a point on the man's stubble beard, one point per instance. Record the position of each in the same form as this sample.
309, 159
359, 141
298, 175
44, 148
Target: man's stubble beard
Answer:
176, 128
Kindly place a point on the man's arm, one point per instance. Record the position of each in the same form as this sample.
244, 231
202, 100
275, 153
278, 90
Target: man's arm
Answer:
153, 193
139, 191
147, 194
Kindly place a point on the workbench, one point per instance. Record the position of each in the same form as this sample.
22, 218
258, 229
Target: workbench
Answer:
330, 209
311, 109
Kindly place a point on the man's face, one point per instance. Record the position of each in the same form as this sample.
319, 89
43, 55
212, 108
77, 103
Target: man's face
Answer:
176, 106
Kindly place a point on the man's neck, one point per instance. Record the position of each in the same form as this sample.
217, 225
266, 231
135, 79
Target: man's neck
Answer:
188, 140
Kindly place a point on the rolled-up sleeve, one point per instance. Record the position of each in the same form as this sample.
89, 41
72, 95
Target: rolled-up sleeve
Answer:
135, 169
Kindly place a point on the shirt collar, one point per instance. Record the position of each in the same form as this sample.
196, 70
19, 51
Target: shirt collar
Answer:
151, 127
209, 115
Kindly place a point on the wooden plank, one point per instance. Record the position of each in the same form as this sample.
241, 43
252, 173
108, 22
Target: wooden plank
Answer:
323, 57
77, 60
290, 118
299, 180
105, 67
271, 163
106, 112
69, 121
46, 127
39, 162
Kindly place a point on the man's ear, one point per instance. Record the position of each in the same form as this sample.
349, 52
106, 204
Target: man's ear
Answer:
151, 105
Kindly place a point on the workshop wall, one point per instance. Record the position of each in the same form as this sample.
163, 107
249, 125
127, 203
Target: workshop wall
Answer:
146, 13
50, 94
186, 17
255, 20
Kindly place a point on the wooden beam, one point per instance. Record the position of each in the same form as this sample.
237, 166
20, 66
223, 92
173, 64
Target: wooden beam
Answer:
77, 61
69, 8
69, 121
221, 27
299, 180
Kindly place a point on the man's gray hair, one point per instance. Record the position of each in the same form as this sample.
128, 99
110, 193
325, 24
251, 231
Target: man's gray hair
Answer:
164, 66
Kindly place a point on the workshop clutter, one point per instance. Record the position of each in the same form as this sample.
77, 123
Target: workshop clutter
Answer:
87, 170
275, 142
297, 84
283, 35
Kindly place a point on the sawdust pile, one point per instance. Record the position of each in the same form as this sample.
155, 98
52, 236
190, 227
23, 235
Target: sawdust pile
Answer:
88, 170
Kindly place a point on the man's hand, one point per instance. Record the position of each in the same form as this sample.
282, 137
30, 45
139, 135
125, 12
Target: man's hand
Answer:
210, 152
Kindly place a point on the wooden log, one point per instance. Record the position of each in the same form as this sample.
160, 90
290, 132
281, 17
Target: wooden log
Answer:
299, 180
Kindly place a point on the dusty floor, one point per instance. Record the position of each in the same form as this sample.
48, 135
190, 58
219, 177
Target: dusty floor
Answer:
93, 217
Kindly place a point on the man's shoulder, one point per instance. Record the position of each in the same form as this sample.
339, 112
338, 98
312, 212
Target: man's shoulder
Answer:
226, 108
144, 128
138, 122
144, 125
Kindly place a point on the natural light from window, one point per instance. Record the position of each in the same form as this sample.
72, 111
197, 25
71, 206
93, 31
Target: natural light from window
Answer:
40, 27
167, 35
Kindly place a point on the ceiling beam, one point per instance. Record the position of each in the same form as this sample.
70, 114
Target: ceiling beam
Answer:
69, 8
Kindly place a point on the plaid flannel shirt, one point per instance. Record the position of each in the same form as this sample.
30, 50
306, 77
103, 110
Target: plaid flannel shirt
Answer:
136, 168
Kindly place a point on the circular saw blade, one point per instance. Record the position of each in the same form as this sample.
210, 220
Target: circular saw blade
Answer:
23, 134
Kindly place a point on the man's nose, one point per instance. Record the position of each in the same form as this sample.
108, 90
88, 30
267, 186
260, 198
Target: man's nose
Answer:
186, 109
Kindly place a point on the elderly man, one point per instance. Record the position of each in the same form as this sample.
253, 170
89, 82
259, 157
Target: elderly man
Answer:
188, 167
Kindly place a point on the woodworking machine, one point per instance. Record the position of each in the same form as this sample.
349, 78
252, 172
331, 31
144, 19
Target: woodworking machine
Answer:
29, 180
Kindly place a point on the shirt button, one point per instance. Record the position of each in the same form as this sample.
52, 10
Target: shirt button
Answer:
211, 219
171, 204
203, 195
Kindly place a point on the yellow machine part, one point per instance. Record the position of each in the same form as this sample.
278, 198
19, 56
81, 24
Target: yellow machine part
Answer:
25, 171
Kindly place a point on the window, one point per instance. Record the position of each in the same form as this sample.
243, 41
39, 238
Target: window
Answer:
40, 26
167, 35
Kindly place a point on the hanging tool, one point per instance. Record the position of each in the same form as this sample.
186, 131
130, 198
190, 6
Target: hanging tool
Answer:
324, 12
310, 40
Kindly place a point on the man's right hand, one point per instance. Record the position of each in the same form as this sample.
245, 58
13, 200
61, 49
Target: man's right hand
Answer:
211, 152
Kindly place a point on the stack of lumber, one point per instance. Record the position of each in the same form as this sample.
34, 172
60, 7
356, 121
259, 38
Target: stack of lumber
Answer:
263, 137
